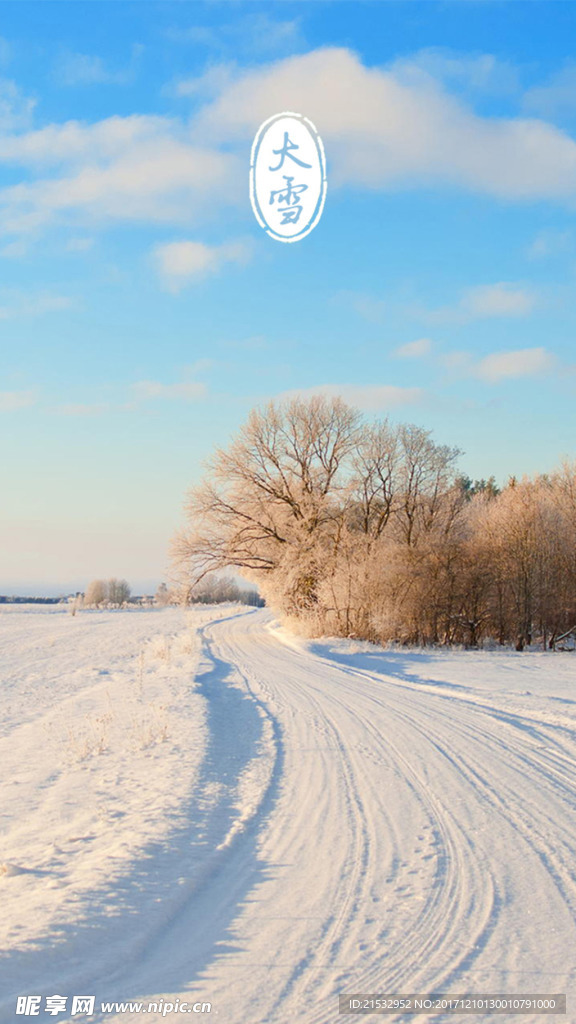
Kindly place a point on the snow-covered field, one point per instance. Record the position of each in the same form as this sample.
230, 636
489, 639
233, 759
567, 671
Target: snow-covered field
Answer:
198, 806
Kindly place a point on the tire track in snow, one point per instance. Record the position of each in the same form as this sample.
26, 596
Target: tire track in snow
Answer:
352, 888
451, 903
528, 818
502, 799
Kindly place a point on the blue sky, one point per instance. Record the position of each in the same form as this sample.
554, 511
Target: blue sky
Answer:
143, 311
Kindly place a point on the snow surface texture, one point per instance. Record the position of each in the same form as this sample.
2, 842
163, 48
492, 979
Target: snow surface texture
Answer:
198, 805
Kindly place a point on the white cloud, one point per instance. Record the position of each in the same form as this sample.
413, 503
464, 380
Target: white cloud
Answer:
481, 72
497, 300
502, 299
366, 397
83, 69
367, 306
5, 51
556, 96
15, 109
213, 81
382, 131
81, 409
524, 362
550, 243
76, 142
254, 33
263, 34
12, 400
458, 361
166, 182
135, 168
16, 304
181, 263
414, 349
86, 69
15, 250
143, 391
79, 244
517, 363
187, 391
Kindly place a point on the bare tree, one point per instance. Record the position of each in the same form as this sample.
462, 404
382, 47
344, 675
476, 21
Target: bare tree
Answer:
118, 592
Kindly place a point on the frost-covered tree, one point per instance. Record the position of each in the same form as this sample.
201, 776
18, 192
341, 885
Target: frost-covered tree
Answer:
306, 500
107, 592
163, 596
273, 499
528, 536
96, 594
216, 589
365, 529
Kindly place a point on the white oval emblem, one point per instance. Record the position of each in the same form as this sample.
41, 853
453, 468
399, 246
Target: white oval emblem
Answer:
287, 176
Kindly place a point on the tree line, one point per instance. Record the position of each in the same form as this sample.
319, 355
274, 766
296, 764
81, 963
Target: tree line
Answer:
367, 529
214, 589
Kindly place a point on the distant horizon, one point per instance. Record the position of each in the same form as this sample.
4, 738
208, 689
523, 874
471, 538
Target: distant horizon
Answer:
139, 588
53, 590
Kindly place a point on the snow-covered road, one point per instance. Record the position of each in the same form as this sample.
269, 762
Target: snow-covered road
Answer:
361, 821
420, 837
